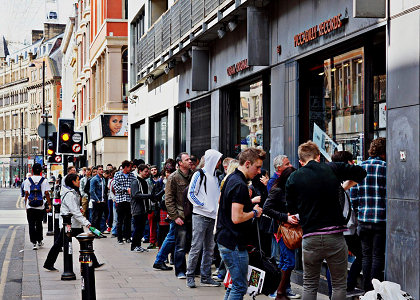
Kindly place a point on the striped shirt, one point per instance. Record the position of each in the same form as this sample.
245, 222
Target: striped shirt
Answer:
122, 182
368, 198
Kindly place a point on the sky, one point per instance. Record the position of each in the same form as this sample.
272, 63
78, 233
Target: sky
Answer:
19, 17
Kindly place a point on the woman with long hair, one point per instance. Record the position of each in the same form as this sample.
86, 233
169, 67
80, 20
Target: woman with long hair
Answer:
70, 204
275, 207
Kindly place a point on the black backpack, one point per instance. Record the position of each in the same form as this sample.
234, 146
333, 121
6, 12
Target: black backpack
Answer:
86, 189
188, 207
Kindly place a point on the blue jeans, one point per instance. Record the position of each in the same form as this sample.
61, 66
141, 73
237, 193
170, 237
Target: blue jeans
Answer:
114, 221
167, 246
236, 262
182, 246
202, 240
275, 250
287, 257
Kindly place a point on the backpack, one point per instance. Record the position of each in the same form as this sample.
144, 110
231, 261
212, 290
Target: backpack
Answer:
187, 205
35, 195
86, 189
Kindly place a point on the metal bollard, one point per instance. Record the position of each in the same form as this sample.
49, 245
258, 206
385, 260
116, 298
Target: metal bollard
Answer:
87, 271
50, 223
56, 220
68, 273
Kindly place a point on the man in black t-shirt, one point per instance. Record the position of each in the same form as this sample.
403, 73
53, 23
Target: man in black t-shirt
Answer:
234, 220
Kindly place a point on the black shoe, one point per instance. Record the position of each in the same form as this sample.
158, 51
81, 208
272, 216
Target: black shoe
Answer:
128, 240
99, 265
50, 268
162, 267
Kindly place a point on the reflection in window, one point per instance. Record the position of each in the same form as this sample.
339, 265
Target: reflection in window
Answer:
251, 116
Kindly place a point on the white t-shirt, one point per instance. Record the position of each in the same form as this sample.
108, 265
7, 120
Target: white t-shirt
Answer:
44, 187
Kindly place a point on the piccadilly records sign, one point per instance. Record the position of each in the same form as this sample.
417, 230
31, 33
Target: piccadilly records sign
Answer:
318, 30
238, 67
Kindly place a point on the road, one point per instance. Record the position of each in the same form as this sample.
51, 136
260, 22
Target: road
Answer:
12, 228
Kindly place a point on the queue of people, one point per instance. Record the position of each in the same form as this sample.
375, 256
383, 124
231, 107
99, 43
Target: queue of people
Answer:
193, 207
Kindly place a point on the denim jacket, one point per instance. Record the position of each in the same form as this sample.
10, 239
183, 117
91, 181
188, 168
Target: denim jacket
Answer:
97, 183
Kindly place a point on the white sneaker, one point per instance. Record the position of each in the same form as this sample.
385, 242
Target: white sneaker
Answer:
40, 244
137, 249
35, 247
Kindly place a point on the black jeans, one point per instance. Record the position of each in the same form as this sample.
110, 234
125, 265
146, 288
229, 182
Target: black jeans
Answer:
182, 246
355, 247
124, 220
35, 217
58, 244
139, 224
99, 209
373, 237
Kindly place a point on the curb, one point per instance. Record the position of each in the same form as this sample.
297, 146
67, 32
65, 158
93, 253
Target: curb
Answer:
31, 283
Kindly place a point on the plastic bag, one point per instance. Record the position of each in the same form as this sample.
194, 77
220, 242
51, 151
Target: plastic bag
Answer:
386, 290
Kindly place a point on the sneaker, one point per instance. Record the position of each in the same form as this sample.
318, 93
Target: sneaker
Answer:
35, 247
218, 278
143, 249
190, 282
120, 242
162, 267
106, 231
144, 240
293, 295
209, 282
40, 244
152, 246
128, 241
99, 265
215, 273
52, 269
273, 295
137, 249
181, 276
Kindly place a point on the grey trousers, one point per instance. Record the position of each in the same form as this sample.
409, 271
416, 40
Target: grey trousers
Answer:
202, 240
332, 248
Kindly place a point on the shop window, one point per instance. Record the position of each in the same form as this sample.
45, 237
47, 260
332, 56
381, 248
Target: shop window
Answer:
251, 123
159, 140
180, 134
140, 141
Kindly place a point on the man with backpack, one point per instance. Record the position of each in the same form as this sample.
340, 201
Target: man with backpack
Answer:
203, 193
36, 187
174, 201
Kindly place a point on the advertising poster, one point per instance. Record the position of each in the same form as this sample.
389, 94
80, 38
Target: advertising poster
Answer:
324, 142
115, 125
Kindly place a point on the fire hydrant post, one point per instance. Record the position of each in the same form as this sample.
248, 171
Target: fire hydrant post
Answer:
87, 271
68, 273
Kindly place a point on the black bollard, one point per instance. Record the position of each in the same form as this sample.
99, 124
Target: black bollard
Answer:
50, 223
56, 220
68, 273
87, 271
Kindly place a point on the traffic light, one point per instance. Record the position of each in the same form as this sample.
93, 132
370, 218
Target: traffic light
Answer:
53, 157
70, 142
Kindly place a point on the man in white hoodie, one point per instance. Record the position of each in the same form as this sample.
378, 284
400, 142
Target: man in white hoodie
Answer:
203, 193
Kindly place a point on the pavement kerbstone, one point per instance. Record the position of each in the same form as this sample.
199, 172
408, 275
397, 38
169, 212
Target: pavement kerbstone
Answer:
31, 283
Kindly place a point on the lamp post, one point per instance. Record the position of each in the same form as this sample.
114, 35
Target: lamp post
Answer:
21, 174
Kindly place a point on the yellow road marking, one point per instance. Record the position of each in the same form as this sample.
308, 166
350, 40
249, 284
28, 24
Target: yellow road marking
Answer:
6, 262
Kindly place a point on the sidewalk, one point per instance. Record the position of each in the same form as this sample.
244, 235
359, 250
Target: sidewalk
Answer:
125, 275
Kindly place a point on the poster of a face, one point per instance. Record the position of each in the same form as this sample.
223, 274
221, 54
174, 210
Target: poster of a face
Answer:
115, 125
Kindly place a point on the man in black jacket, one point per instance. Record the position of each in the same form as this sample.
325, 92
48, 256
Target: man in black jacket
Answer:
140, 204
312, 192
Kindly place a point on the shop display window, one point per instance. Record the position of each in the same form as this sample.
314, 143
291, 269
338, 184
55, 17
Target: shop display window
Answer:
159, 144
251, 116
140, 142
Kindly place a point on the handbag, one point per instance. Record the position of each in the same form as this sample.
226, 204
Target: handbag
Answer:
292, 235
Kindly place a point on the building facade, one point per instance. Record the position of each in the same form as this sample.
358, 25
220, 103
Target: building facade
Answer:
22, 98
273, 74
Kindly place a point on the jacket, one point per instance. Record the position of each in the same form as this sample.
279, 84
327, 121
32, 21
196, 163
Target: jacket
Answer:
204, 193
312, 192
97, 189
275, 207
140, 200
174, 189
70, 204
83, 182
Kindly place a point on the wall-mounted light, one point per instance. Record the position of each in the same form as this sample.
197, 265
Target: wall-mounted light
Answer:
221, 32
167, 69
184, 57
150, 79
232, 25
133, 98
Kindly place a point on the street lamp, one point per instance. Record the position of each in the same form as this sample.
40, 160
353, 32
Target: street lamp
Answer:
21, 174
44, 115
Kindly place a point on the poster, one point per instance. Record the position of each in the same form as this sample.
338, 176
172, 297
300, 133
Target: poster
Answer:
115, 125
325, 144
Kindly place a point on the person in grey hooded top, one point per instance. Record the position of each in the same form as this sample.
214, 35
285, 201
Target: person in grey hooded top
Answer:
203, 193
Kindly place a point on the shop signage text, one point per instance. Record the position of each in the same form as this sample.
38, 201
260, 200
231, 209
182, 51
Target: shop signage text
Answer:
240, 66
318, 30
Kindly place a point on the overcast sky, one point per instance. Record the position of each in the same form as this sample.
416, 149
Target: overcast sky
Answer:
19, 17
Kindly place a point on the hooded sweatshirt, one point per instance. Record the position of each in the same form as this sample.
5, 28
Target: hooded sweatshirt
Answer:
70, 204
205, 196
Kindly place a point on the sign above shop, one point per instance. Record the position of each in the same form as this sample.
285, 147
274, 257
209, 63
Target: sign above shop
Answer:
238, 67
318, 30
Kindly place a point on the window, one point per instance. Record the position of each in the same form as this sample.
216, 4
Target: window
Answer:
125, 9
124, 62
159, 140
139, 151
